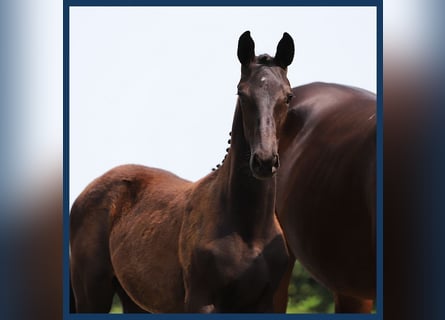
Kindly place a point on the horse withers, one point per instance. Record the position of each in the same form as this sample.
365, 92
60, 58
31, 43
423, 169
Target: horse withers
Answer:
326, 191
165, 244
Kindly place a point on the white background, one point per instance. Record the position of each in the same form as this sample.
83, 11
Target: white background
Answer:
156, 85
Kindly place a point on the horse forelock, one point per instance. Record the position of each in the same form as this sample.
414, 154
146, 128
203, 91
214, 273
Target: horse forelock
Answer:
265, 59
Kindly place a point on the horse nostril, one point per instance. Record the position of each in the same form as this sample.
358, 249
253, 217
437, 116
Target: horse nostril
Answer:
275, 164
276, 161
256, 162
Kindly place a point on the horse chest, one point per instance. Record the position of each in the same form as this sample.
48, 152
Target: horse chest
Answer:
241, 277
240, 265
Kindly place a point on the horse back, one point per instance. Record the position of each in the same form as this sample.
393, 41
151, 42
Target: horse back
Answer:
117, 193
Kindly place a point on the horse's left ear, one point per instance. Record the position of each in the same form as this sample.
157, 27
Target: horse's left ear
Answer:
285, 51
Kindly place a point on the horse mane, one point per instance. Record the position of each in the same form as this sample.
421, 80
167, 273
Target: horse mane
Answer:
227, 152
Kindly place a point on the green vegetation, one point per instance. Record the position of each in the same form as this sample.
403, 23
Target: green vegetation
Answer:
305, 295
116, 307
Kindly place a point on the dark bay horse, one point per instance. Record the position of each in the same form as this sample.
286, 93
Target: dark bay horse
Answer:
165, 244
326, 190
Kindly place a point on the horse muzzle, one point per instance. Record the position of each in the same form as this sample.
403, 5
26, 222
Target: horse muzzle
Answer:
264, 167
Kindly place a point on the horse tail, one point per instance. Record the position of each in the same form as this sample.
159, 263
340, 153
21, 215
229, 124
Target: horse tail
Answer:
91, 271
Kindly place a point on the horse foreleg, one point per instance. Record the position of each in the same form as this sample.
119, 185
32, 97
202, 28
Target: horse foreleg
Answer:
346, 304
198, 303
281, 294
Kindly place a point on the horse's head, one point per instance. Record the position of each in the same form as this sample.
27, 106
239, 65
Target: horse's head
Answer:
264, 94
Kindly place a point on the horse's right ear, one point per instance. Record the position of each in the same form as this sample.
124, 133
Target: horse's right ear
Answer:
246, 49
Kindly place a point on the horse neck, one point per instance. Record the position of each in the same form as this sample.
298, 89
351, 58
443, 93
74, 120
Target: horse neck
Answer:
250, 201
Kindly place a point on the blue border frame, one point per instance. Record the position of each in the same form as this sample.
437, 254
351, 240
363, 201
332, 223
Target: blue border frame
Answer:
379, 155
66, 156
222, 3
370, 3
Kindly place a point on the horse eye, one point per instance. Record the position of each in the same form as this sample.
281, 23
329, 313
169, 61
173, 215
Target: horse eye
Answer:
289, 98
242, 97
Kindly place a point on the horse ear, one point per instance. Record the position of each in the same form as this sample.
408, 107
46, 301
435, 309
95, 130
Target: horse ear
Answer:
246, 49
285, 51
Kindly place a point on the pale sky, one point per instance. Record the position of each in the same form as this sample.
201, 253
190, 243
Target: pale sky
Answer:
156, 85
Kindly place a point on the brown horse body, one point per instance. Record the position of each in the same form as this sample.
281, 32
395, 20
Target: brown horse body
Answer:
326, 190
165, 244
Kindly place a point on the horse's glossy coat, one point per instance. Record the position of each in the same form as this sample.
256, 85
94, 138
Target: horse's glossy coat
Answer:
169, 245
326, 190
